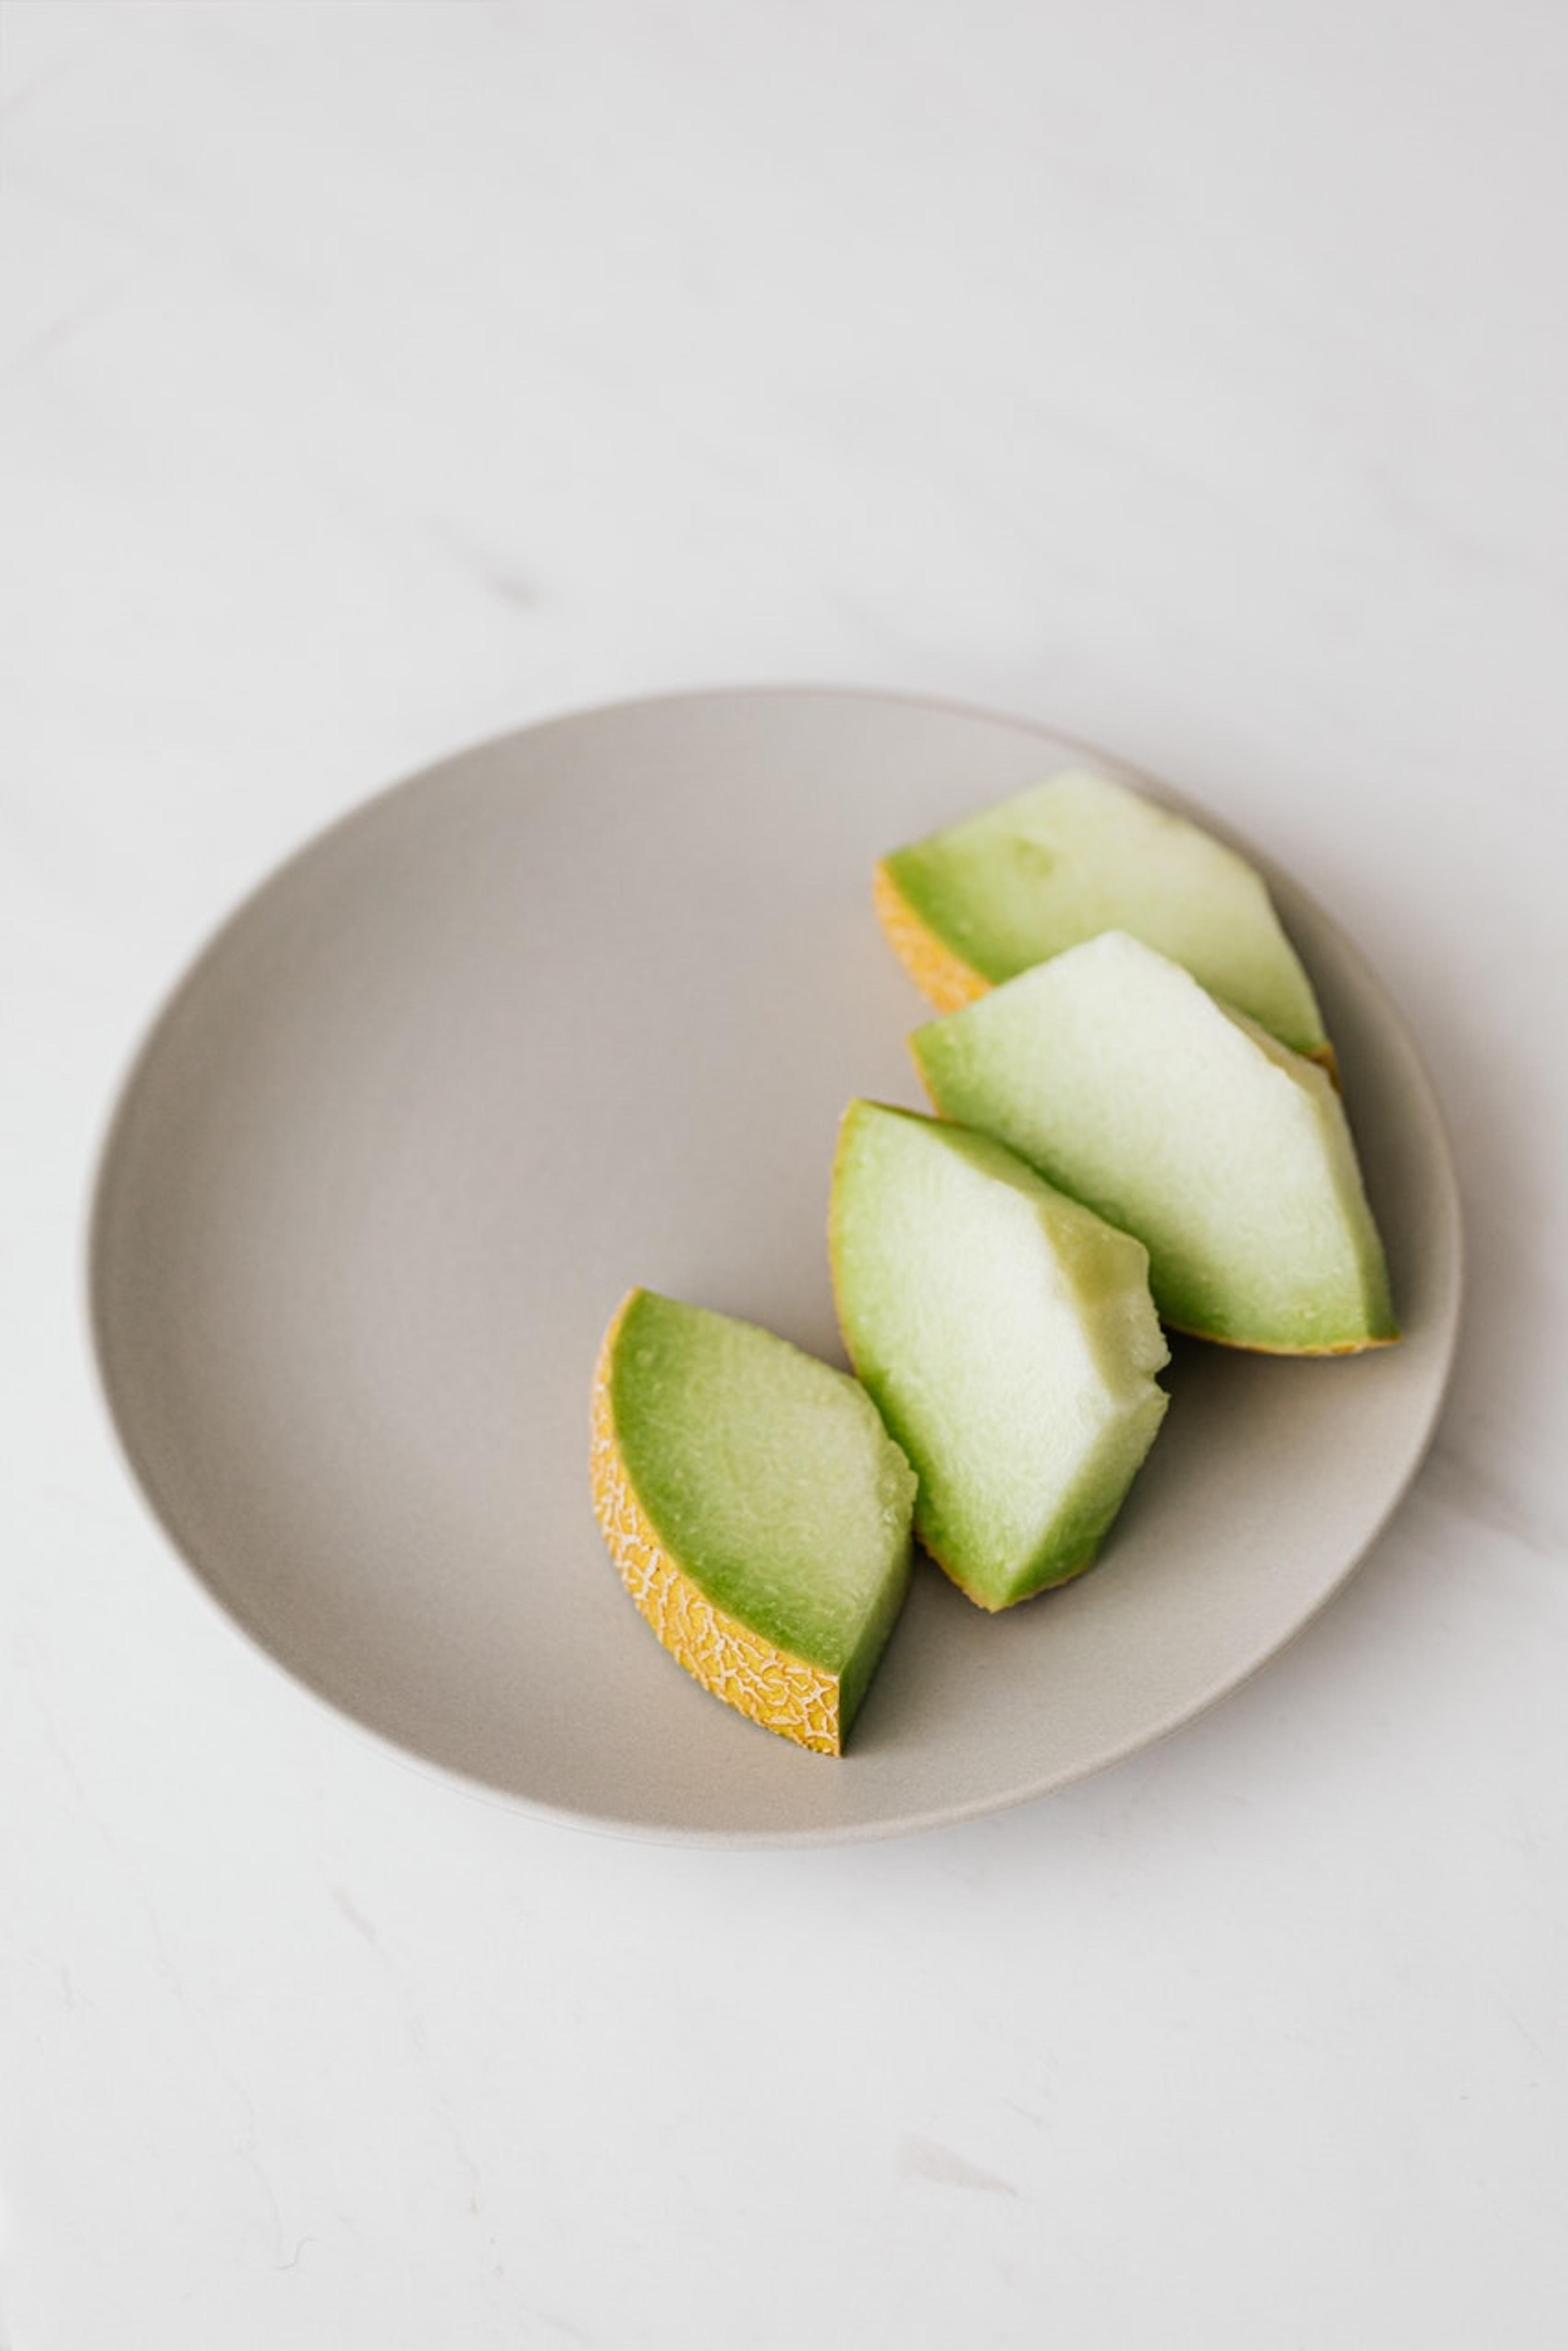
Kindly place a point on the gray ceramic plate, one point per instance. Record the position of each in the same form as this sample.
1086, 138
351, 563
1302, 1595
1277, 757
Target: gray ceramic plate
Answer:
578, 1009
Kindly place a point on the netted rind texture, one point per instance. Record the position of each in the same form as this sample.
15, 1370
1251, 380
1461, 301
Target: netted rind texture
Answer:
769, 1685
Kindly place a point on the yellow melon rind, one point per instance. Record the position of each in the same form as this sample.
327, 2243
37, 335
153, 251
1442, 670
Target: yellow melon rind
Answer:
1288, 1354
768, 1684
941, 976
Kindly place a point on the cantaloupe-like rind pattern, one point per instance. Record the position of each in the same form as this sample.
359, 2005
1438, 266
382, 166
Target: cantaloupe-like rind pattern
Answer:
941, 976
781, 1692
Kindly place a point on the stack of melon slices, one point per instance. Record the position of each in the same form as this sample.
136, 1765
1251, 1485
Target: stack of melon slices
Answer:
1138, 1122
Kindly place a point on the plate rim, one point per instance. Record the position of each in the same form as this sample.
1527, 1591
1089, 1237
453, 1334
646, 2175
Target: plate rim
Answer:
149, 1033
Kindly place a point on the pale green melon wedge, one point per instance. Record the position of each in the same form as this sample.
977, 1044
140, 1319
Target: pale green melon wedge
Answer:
974, 905
757, 1510
1008, 1338
1111, 1071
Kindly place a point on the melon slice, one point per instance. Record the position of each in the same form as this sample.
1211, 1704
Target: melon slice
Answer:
1228, 1155
973, 906
1008, 1338
756, 1509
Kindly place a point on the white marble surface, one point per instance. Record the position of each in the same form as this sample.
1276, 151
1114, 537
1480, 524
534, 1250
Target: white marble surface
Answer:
377, 377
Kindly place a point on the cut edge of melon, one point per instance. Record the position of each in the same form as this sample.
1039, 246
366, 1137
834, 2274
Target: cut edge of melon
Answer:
1294, 1355
954, 1575
768, 1684
942, 977
946, 981
1363, 1346
1001, 1607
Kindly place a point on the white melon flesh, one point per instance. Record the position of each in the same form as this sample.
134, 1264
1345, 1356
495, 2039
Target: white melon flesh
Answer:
1024, 880
1008, 1338
1112, 1072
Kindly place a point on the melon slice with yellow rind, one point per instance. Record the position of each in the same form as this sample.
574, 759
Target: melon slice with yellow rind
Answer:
973, 906
942, 977
1182, 1122
756, 1509
1008, 1338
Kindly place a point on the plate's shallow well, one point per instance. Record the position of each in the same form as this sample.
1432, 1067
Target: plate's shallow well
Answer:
578, 1009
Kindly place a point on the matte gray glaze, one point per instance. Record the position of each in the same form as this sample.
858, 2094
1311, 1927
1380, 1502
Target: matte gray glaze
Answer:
581, 1008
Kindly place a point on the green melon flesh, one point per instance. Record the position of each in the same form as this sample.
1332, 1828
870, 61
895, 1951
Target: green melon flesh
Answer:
1009, 1339
770, 1479
1111, 1071
1024, 880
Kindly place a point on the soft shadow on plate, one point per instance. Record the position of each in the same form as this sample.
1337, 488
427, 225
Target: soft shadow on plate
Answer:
581, 1008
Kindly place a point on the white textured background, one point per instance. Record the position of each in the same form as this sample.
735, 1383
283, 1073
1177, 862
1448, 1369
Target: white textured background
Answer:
379, 376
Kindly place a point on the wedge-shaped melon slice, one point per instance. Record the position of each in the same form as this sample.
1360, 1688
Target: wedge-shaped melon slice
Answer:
1008, 1338
970, 908
1112, 1072
757, 1510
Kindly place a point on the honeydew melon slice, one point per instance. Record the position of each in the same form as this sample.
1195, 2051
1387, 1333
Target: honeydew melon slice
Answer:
1113, 1073
1009, 1341
970, 908
757, 1510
